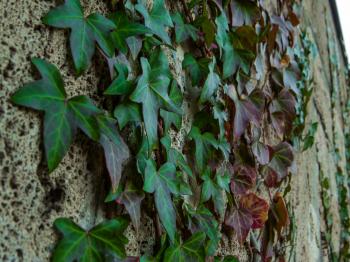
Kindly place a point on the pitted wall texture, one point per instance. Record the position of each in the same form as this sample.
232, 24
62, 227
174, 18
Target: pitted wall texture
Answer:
31, 199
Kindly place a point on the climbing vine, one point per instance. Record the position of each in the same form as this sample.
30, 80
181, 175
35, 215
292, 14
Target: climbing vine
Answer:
240, 73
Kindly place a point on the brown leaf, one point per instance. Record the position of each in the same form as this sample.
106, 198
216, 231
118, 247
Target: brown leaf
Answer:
241, 221
280, 212
257, 207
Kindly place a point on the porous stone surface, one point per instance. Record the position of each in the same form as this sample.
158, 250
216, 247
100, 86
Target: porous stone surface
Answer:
31, 199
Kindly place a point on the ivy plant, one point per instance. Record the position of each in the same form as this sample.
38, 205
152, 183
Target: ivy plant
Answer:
239, 73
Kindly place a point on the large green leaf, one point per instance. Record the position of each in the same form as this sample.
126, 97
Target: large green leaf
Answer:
157, 19
162, 183
152, 92
62, 115
190, 251
105, 239
124, 29
84, 32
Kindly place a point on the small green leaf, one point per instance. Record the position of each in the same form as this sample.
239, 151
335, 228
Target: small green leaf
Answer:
197, 68
157, 20
124, 29
84, 32
205, 144
120, 85
190, 250
131, 198
135, 45
175, 157
211, 84
211, 190
127, 112
183, 31
93, 245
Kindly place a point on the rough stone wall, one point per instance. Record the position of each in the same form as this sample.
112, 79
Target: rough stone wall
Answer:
327, 106
31, 199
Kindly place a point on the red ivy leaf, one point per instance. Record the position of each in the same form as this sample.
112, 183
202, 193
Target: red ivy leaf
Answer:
282, 112
251, 213
277, 169
132, 199
257, 207
271, 177
243, 179
261, 152
241, 221
247, 110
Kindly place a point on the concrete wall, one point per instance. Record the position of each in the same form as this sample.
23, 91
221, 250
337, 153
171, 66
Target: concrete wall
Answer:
31, 199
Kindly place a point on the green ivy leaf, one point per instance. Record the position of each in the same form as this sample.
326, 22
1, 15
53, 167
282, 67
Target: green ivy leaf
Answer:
93, 245
197, 68
205, 144
221, 116
310, 136
211, 84
190, 250
244, 12
120, 85
62, 115
124, 28
202, 219
171, 118
235, 57
183, 31
175, 157
135, 45
152, 92
222, 30
84, 32
162, 183
157, 20
115, 149
127, 112
211, 190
